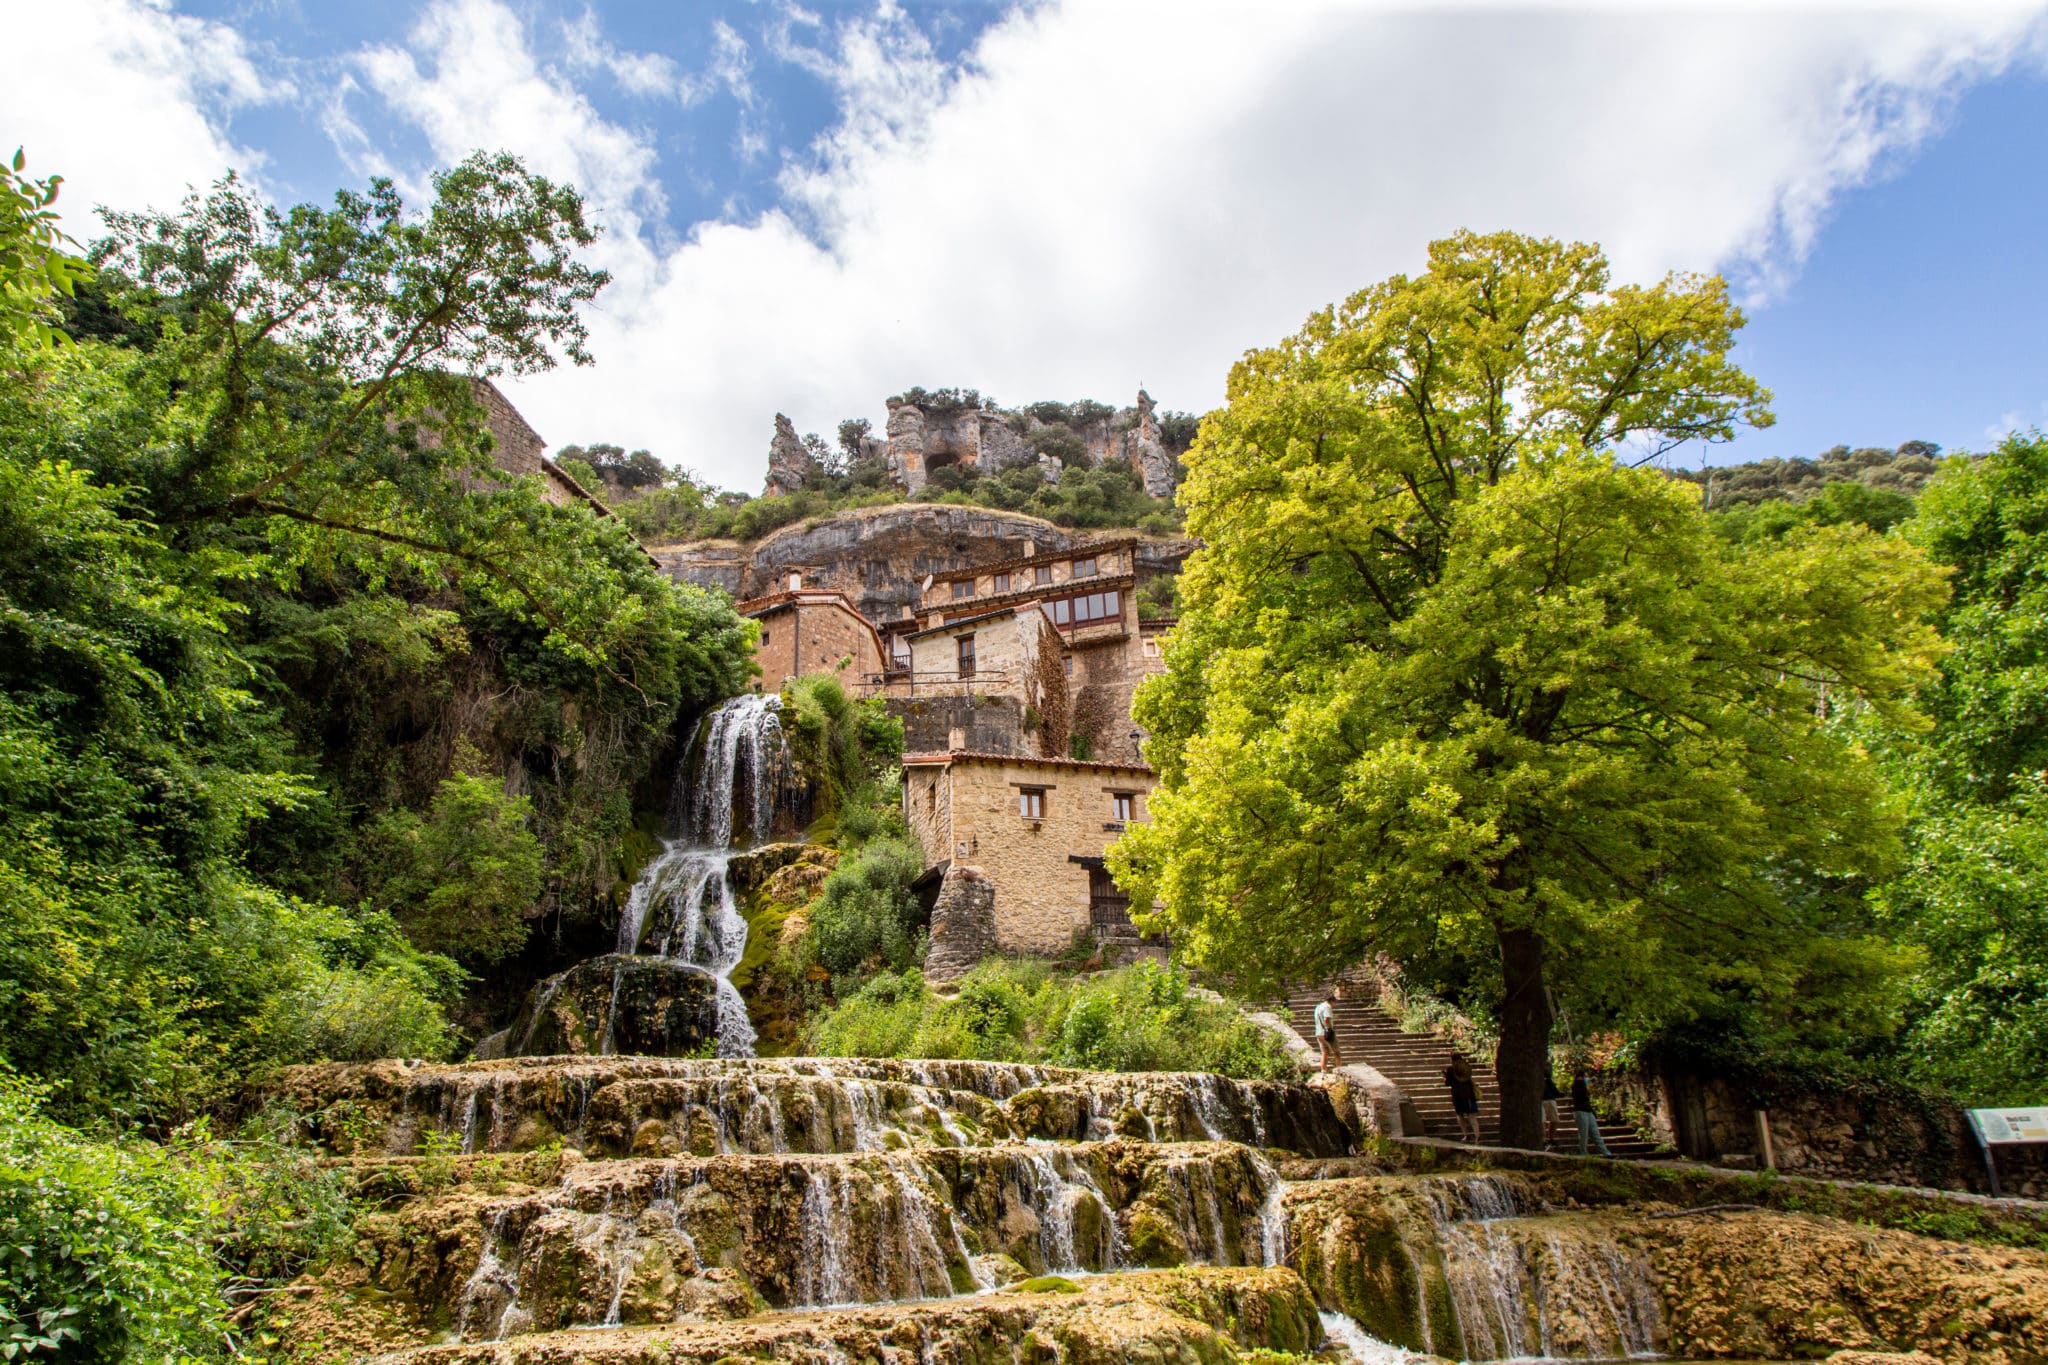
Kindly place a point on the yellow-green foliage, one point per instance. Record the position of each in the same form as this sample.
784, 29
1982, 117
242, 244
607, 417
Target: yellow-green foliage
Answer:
1141, 1018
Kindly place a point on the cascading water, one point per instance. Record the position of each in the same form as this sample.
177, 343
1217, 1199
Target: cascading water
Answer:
682, 907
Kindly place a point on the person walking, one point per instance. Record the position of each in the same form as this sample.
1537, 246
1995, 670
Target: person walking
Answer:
1464, 1096
1326, 1028
1582, 1113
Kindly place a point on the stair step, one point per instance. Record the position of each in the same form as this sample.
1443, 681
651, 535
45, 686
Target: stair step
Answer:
1415, 1063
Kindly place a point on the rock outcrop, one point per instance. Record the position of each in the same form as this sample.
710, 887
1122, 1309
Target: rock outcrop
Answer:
1155, 464
790, 466
651, 1006
963, 924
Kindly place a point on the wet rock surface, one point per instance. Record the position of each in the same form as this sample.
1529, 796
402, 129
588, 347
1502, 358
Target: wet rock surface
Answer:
1208, 1317
652, 1006
638, 1208
601, 1105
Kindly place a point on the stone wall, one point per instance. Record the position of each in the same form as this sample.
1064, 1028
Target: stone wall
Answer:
963, 924
965, 809
1841, 1132
975, 721
813, 636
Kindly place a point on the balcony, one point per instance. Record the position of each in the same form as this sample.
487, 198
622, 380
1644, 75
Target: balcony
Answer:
947, 682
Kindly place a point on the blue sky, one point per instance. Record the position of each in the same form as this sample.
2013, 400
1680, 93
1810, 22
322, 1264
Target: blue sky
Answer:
810, 207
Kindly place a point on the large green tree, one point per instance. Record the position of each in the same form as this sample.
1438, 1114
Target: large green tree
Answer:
1974, 894
255, 560
1453, 681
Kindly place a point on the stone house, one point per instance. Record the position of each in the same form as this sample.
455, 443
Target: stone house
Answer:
517, 449
1086, 594
810, 630
1016, 846
1008, 660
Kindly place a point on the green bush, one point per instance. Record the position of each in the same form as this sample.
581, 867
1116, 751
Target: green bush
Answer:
865, 917
104, 1246
1140, 1018
462, 877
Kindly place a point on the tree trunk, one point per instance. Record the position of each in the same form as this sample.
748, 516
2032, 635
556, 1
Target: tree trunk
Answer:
1524, 1056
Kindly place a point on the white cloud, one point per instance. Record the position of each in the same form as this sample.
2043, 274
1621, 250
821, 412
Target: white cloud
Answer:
1108, 195
127, 100
469, 79
637, 73
1103, 193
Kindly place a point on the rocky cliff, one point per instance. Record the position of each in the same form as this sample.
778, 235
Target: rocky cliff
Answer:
926, 432
880, 556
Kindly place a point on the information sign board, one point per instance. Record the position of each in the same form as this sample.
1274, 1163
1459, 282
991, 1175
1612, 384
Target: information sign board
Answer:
2010, 1125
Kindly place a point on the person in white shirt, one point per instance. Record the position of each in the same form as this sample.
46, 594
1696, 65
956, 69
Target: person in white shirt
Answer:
1326, 1028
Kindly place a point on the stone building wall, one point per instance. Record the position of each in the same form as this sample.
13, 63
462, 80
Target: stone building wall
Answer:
812, 633
965, 809
932, 724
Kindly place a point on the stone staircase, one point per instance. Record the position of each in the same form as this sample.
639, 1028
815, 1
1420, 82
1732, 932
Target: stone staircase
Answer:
1415, 1062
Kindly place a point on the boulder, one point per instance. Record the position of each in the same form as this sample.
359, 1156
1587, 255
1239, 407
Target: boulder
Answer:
633, 1006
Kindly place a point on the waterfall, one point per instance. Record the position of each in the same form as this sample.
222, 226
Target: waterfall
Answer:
1363, 1349
1521, 1288
682, 906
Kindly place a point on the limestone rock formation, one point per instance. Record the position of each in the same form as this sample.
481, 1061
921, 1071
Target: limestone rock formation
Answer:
963, 924
906, 446
649, 1006
790, 466
1148, 455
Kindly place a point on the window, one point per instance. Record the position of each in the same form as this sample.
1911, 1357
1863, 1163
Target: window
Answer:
764, 637
1079, 611
899, 650
1067, 664
1002, 583
1084, 568
1152, 649
1031, 802
1124, 806
1042, 575
962, 587
965, 646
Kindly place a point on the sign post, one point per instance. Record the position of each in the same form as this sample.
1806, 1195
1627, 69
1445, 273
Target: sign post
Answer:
2006, 1128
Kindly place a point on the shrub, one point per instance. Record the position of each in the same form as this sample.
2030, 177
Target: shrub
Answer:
104, 1252
461, 877
865, 917
1141, 1018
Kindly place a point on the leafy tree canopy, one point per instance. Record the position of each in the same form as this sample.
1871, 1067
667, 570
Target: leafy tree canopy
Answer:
1452, 682
1974, 894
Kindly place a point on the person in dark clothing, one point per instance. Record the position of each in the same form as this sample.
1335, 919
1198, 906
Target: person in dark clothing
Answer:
1464, 1096
1582, 1112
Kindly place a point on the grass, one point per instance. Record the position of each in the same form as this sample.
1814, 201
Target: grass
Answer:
1139, 1018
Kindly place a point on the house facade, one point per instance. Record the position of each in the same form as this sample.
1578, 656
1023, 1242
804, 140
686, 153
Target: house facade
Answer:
810, 630
1086, 595
1024, 839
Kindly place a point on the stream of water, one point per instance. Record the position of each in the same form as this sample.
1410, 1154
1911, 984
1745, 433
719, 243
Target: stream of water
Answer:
682, 907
